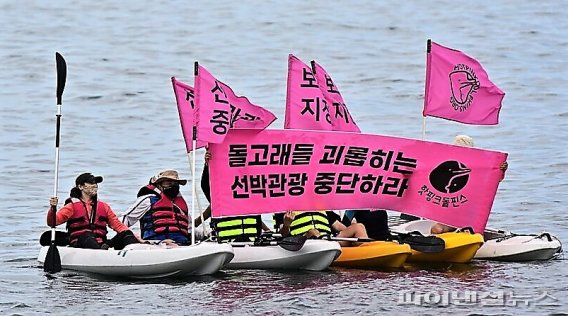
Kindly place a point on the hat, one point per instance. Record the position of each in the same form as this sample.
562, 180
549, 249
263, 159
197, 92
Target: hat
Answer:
463, 140
87, 178
167, 175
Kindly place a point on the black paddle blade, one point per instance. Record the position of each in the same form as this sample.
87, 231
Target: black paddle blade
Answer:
292, 243
61, 75
52, 263
427, 244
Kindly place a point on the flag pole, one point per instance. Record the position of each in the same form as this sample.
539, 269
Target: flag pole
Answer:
193, 186
426, 86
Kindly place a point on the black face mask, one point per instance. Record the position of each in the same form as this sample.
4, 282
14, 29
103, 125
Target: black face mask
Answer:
172, 191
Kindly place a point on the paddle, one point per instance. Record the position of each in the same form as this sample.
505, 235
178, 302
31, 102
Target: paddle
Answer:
290, 243
52, 263
419, 242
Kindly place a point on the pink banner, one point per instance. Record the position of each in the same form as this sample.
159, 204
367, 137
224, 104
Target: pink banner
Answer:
186, 105
341, 119
306, 106
459, 89
212, 111
271, 171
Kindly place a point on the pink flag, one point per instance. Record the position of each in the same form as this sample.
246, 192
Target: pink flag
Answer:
184, 99
244, 114
212, 110
271, 171
306, 106
459, 89
341, 119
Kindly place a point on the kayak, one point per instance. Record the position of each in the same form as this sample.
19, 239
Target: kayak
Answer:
460, 246
506, 246
314, 255
144, 261
373, 255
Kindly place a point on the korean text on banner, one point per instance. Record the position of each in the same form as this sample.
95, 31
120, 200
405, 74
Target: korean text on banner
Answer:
277, 170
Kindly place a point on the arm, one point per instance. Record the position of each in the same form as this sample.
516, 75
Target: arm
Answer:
206, 215
114, 222
137, 210
62, 215
287, 221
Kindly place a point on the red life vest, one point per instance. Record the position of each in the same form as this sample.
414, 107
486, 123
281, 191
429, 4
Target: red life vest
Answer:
165, 216
80, 222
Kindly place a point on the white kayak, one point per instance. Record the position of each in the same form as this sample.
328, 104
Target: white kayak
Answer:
506, 246
314, 255
143, 261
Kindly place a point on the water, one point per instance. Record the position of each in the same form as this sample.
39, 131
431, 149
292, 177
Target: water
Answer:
120, 121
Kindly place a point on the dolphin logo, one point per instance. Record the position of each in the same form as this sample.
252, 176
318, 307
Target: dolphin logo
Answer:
463, 85
450, 176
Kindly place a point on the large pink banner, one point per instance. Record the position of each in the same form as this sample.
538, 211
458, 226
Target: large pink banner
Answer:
306, 106
269, 171
341, 119
212, 110
459, 89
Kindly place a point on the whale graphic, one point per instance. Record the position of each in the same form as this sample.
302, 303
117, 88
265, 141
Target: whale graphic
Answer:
450, 176
463, 84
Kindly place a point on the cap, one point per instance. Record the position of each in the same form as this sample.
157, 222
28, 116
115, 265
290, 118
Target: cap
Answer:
88, 178
168, 175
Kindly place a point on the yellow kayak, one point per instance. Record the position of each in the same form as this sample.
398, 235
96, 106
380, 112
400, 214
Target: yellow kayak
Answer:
460, 248
373, 255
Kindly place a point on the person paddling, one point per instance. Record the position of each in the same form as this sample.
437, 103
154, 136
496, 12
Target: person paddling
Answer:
161, 210
87, 217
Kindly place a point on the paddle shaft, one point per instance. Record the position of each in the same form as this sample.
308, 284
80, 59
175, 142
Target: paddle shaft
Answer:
353, 239
52, 263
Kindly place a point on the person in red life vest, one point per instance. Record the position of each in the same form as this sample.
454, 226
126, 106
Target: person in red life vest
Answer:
87, 218
161, 210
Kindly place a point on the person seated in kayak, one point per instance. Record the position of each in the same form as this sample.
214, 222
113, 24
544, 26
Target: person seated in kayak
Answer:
161, 210
229, 229
317, 225
375, 222
464, 141
87, 217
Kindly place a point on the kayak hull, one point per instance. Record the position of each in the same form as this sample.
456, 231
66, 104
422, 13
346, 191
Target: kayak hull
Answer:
315, 255
460, 246
373, 255
506, 246
141, 261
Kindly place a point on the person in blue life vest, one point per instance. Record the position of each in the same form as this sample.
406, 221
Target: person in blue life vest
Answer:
229, 229
87, 217
465, 141
161, 210
317, 225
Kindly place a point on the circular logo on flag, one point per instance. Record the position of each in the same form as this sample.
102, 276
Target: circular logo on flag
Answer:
449, 176
463, 84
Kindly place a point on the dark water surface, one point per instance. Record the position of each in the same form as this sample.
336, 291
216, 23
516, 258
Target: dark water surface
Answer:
120, 121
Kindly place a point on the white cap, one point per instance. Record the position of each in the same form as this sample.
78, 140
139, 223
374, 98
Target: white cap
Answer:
463, 140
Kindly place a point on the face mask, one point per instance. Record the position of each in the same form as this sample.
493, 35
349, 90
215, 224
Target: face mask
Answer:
172, 191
